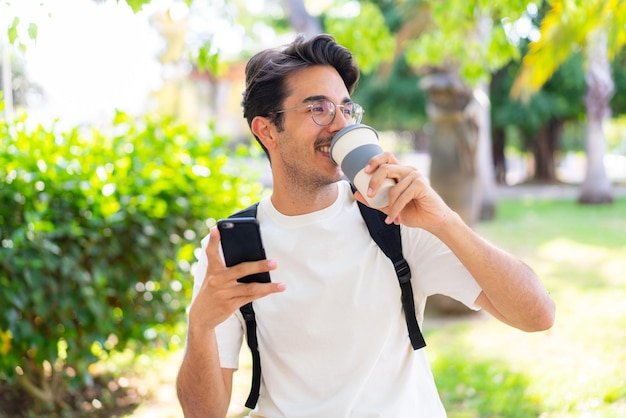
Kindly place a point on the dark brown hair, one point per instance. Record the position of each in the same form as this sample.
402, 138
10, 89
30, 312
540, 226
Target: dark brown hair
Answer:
267, 71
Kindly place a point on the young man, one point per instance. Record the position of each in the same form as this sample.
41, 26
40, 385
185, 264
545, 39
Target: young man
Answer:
331, 329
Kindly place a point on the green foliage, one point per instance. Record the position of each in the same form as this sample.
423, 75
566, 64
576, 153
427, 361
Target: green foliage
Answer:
209, 61
618, 102
560, 99
395, 102
15, 24
573, 137
568, 27
367, 37
98, 231
468, 36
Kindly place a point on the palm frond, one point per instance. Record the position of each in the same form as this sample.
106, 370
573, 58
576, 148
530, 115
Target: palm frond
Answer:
562, 32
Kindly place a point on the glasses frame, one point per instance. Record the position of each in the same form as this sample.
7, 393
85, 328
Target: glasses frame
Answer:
357, 111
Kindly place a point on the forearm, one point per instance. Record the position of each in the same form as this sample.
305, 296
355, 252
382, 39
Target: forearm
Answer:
202, 390
511, 288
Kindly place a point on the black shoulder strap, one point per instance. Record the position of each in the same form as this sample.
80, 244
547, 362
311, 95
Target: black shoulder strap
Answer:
249, 212
247, 311
388, 238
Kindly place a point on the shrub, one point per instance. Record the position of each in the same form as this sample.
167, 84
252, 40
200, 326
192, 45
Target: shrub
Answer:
98, 231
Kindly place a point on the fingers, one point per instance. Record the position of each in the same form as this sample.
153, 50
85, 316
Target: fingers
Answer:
408, 198
248, 292
221, 274
410, 190
221, 294
384, 166
212, 249
234, 294
248, 268
380, 159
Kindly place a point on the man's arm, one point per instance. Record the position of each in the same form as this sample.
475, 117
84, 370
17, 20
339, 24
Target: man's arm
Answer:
204, 388
511, 291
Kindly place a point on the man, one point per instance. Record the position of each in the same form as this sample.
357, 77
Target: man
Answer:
332, 334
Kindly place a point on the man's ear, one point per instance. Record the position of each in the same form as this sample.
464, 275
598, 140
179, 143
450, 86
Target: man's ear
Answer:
265, 131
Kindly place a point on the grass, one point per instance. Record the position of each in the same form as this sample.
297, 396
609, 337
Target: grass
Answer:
578, 368
486, 369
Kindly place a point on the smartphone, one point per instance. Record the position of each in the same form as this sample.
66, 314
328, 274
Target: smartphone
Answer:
241, 241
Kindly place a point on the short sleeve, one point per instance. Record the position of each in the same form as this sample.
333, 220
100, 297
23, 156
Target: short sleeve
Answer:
436, 269
230, 332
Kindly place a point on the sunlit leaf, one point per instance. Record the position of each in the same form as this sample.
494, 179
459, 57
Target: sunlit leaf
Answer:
32, 31
12, 31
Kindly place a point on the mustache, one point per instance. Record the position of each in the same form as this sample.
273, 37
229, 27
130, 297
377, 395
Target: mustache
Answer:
323, 141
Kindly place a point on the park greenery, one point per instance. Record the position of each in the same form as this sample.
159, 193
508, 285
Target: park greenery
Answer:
99, 225
99, 229
485, 369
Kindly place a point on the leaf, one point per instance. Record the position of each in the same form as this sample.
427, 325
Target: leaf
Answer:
136, 5
207, 60
12, 31
5, 342
32, 31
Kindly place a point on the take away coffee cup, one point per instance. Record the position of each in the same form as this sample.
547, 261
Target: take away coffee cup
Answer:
351, 149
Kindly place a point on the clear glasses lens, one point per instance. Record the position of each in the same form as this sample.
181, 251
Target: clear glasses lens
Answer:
323, 112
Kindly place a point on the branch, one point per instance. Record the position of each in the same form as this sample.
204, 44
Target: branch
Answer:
41, 395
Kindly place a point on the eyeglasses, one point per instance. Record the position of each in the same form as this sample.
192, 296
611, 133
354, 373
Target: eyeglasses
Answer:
323, 111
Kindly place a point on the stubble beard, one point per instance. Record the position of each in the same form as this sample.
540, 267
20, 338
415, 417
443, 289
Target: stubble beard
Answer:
304, 178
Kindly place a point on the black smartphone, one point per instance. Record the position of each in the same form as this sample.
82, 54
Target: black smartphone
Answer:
241, 241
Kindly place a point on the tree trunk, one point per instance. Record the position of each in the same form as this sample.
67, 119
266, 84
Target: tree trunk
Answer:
453, 142
543, 150
300, 19
499, 159
485, 186
7, 84
596, 187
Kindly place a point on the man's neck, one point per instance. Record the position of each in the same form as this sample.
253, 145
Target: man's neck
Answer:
292, 200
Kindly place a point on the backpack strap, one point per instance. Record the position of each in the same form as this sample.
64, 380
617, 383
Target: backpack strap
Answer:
248, 315
247, 311
388, 238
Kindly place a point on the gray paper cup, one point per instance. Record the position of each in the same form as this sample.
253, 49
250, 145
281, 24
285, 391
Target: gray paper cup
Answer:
351, 149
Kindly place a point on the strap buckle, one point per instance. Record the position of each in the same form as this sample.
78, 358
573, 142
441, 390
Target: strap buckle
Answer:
403, 271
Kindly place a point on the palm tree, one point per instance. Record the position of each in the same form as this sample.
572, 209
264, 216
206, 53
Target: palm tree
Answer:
598, 28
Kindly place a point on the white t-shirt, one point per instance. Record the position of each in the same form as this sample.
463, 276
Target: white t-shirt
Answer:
335, 343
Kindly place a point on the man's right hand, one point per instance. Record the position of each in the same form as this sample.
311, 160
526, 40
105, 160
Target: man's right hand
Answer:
221, 294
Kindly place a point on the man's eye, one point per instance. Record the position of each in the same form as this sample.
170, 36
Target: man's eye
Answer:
318, 108
347, 109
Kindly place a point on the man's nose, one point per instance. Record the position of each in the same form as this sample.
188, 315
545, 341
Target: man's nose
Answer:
339, 122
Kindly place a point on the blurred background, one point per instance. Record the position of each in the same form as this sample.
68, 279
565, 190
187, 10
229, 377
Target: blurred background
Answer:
122, 141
